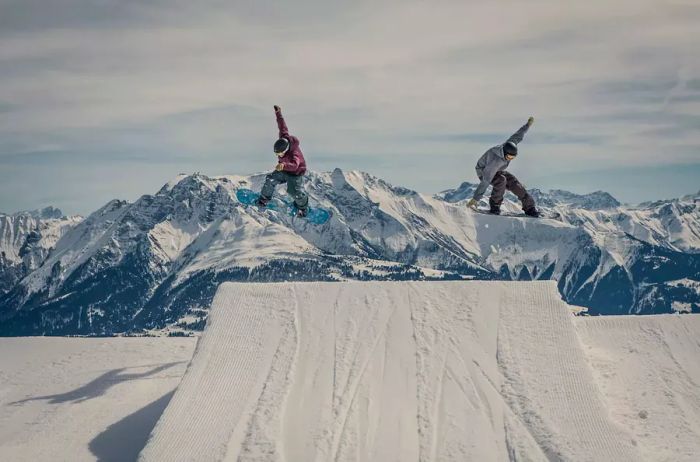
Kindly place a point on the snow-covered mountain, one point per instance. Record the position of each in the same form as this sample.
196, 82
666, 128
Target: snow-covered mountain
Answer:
158, 261
672, 224
26, 238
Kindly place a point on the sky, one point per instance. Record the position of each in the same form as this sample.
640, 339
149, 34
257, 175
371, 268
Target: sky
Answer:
105, 99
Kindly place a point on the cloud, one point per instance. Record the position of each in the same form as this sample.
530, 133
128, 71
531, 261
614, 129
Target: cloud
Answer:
367, 85
491, 139
6, 107
22, 16
633, 91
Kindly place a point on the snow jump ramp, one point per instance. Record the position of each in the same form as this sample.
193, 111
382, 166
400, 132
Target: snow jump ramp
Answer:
388, 371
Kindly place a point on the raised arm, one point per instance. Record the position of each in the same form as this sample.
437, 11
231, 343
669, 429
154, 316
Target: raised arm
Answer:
284, 131
518, 136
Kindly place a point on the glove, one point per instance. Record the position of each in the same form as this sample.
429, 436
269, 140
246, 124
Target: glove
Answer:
530, 121
472, 203
280, 167
277, 109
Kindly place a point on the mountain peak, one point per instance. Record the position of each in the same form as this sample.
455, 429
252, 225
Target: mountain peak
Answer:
597, 200
463, 191
692, 197
172, 183
190, 184
47, 213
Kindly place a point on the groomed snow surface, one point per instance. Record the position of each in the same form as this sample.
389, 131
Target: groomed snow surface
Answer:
430, 371
85, 399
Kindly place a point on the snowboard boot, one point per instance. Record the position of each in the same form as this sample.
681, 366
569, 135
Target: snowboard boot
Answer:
533, 213
495, 210
303, 212
262, 202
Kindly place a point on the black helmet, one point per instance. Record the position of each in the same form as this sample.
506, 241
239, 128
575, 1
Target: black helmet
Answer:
510, 149
281, 145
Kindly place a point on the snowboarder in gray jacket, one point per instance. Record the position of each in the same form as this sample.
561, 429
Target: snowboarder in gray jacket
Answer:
491, 171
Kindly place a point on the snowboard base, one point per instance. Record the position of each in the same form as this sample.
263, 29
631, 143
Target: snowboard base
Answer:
284, 204
550, 215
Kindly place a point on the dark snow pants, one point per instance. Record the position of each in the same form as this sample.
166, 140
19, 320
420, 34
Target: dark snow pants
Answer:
295, 187
506, 181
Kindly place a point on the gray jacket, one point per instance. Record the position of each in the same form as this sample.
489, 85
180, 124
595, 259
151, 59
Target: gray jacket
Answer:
494, 161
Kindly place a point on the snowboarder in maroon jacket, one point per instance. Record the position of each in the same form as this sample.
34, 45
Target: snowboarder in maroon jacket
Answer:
290, 169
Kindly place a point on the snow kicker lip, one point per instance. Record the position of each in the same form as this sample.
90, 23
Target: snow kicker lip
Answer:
388, 371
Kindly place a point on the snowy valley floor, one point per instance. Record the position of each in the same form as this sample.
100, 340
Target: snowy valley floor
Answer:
85, 399
429, 371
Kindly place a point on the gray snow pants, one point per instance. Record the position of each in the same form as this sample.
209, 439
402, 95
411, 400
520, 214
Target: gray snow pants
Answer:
506, 181
295, 187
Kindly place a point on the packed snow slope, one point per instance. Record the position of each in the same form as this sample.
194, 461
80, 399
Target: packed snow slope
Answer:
85, 399
382, 371
648, 371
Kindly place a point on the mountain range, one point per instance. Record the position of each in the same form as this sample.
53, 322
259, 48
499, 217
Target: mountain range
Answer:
153, 265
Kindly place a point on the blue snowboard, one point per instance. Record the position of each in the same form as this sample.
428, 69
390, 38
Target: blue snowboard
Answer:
317, 215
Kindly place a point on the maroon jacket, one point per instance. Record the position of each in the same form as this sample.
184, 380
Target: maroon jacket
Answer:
293, 159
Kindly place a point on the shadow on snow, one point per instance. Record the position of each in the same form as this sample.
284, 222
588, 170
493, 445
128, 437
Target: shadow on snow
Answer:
124, 440
97, 387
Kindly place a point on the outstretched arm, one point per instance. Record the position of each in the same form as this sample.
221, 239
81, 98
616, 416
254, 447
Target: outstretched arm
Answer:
284, 131
518, 136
